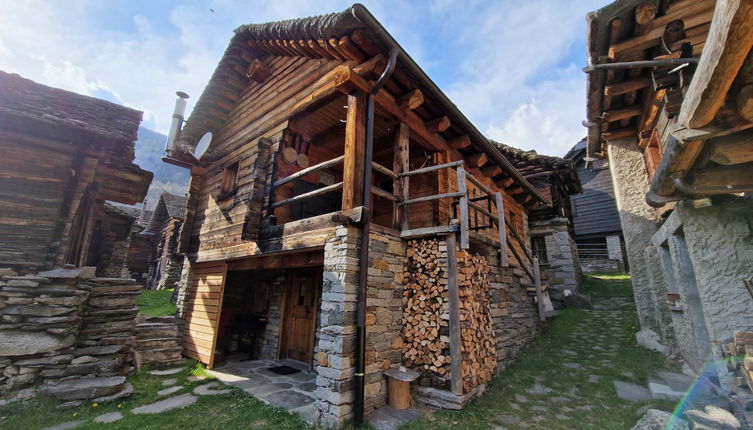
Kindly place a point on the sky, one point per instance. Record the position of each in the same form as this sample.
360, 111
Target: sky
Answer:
512, 67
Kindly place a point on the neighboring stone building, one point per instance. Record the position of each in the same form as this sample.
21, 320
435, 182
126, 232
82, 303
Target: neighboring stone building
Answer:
680, 147
551, 223
596, 222
165, 263
63, 330
306, 240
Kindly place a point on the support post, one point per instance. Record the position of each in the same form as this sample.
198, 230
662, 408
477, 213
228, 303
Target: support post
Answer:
401, 165
353, 168
537, 284
503, 259
456, 355
463, 205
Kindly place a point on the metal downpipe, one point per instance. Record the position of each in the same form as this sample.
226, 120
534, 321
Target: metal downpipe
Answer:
363, 258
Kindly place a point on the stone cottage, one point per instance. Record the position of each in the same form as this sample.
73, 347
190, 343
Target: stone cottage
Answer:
64, 155
670, 105
596, 223
551, 223
326, 135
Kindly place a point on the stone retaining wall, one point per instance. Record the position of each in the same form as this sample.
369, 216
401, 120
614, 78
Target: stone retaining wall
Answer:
63, 325
157, 340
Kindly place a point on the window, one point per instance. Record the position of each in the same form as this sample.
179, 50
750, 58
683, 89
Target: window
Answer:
229, 180
538, 247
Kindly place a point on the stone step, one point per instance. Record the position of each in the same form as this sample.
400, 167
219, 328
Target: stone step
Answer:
157, 343
87, 388
161, 355
145, 331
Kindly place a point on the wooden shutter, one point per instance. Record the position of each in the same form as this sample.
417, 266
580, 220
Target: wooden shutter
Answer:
202, 315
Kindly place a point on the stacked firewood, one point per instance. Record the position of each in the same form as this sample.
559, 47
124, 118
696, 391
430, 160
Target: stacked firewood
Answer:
425, 307
477, 333
739, 356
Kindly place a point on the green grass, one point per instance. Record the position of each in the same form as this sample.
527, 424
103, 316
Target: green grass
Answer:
156, 303
234, 410
543, 359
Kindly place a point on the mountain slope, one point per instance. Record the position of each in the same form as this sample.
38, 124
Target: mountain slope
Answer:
150, 148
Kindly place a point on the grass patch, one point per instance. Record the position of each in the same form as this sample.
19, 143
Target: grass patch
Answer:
234, 410
577, 332
156, 303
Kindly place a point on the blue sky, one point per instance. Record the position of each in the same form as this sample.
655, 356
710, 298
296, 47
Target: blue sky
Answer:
513, 67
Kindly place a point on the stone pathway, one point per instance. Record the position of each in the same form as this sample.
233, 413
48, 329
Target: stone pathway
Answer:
293, 392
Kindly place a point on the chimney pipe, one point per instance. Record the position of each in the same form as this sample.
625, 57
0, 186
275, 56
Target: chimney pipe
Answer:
176, 123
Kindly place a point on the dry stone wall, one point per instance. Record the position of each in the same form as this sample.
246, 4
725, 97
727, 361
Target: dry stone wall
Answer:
61, 327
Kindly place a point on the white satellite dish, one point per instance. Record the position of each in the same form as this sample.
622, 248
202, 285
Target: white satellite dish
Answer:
203, 144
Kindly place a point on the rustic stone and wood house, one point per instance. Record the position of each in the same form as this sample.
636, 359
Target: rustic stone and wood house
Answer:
596, 223
62, 329
165, 263
550, 223
325, 135
670, 106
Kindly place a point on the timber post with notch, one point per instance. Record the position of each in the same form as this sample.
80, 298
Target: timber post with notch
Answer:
371, 176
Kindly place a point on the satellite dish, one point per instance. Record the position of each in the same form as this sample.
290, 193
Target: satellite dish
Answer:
203, 144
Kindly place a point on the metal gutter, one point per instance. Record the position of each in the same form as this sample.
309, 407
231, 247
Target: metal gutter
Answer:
362, 14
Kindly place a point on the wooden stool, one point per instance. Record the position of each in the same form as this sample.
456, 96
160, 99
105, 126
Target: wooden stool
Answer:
399, 387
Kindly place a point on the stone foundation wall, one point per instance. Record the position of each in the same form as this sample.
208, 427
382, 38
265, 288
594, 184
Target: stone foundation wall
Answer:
59, 326
707, 259
157, 340
601, 266
562, 269
638, 219
514, 313
270, 340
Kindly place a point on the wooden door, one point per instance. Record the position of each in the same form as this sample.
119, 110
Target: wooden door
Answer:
301, 309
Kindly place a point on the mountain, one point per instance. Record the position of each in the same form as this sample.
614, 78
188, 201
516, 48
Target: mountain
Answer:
150, 148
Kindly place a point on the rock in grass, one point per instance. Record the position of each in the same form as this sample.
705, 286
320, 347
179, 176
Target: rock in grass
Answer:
166, 405
658, 420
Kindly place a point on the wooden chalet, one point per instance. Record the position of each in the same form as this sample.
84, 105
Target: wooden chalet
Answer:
551, 222
596, 222
63, 155
165, 263
670, 103
276, 211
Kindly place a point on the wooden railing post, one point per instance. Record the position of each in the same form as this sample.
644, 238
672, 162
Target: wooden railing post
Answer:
537, 284
401, 164
502, 230
355, 135
463, 205
456, 355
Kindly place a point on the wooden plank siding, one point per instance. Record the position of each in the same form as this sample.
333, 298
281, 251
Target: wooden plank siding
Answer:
202, 315
262, 112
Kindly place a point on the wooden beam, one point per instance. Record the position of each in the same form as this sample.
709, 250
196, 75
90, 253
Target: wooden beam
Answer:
744, 102
303, 172
692, 13
372, 67
729, 41
433, 168
382, 193
731, 151
491, 171
411, 100
477, 160
310, 194
627, 86
645, 12
428, 231
622, 113
355, 135
453, 293
504, 183
513, 191
459, 142
618, 133
401, 164
258, 71
438, 125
